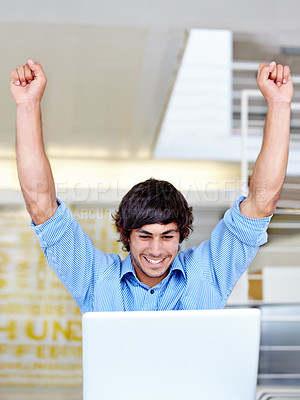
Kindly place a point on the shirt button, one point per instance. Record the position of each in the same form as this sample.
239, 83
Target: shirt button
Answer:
151, 291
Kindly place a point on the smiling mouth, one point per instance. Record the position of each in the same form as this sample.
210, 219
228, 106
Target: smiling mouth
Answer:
154, 261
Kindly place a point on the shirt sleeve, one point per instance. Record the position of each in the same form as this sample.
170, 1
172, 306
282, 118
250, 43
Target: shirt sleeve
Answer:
233, 244
72, 256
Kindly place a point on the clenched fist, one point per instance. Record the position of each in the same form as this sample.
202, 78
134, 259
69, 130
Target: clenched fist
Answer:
275, 82
28, 83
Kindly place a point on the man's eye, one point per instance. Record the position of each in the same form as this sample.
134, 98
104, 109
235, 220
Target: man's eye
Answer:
168, 237
144, 237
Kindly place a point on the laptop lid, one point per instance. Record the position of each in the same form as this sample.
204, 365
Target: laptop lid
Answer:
207, 354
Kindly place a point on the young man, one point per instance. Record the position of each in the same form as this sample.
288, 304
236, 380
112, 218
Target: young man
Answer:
153, 217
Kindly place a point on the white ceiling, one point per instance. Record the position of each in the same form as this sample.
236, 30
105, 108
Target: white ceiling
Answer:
106, 86
111, 65
260, 17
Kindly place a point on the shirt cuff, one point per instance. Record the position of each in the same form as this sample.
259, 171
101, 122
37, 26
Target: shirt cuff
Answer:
250, 230
50, 232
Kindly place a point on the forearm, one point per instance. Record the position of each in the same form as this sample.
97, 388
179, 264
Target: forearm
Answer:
275, 84
34, 170
270, 167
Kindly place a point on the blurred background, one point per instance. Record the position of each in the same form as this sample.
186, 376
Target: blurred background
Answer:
140, 89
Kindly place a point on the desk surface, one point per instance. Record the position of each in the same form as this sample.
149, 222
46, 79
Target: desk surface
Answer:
40, 394
76, 394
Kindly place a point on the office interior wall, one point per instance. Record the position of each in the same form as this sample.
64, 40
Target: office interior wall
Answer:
40, 324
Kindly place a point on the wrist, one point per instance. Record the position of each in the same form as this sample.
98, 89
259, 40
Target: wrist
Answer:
279, 105
28, 106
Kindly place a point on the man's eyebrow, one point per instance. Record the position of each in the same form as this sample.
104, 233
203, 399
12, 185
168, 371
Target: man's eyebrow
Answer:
145, 232
169, 231
163, 233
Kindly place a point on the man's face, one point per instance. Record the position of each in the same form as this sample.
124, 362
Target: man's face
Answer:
153, 247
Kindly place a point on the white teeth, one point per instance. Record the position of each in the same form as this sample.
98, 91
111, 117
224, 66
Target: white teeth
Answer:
153, 261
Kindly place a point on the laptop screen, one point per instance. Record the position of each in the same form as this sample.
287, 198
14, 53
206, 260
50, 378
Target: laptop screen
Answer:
207, 354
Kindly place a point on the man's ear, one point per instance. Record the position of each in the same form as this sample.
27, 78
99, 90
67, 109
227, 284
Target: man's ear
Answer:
185, 234
125, 239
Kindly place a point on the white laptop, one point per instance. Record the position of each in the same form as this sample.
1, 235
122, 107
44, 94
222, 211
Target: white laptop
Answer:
171, 355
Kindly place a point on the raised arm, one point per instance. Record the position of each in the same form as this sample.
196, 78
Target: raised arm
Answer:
275, 84
28, 84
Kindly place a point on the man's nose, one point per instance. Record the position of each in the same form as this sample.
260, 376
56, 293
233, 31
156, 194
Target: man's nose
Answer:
156, 247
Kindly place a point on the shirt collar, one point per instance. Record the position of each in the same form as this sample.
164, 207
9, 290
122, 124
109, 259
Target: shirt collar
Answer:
127, 267
177, 266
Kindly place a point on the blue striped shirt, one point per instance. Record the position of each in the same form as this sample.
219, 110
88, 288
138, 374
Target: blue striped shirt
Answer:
201, 277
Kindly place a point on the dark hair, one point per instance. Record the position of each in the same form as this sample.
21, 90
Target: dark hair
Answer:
150, 202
